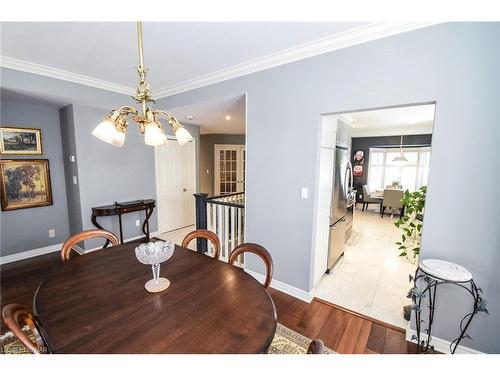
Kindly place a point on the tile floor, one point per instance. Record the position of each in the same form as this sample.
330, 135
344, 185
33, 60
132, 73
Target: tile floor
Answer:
176, 236
370, 278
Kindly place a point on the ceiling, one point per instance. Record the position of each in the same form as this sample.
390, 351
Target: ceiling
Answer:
210, 116
174, 52
181, 56
418, 119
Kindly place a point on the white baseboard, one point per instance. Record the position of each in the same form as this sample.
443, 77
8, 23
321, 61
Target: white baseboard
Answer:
52, 248
30, 253
285, 288
440, 345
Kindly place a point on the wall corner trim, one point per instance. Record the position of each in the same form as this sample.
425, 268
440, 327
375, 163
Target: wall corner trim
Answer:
283, 287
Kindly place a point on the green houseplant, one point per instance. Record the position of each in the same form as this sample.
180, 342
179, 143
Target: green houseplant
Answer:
411, 223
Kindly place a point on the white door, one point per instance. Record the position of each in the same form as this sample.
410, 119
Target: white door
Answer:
229, 168
175, 185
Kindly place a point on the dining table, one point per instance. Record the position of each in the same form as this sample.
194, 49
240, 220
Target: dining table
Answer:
97, 303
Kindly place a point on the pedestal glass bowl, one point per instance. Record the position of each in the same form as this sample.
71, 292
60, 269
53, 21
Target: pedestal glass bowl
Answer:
154, 253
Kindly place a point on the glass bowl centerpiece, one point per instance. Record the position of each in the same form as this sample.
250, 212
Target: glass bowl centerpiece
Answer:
154, 253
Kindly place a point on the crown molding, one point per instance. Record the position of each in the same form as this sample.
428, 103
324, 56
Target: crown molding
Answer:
348, 38
48, 71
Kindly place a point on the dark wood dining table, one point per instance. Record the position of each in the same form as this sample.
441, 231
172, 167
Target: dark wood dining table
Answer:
96, 303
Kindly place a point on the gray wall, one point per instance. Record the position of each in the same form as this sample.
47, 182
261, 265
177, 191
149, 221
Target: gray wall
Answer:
27, 229
455, 65
364, 144
207, 142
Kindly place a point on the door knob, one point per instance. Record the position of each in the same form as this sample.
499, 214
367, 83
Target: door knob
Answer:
184, 190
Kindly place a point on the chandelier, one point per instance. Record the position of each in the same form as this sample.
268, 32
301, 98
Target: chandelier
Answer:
401, 158
113, 128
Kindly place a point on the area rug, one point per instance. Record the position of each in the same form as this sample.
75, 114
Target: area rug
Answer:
9, 344
285, 341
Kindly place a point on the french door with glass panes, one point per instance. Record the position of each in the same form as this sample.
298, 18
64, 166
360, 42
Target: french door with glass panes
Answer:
229, 168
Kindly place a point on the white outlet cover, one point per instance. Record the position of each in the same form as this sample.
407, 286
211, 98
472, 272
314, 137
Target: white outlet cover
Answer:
72, 158
137, 223
52, 232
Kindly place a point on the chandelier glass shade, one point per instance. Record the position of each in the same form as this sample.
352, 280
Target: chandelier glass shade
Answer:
113, 128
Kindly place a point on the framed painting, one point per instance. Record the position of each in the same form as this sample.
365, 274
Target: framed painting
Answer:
20, 141
25, 184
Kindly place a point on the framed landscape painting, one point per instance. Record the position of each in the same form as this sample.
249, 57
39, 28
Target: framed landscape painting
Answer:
25, 184
20, 141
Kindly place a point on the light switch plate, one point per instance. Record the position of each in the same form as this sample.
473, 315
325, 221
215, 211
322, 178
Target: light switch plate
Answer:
304, 193
75, 181
72, 158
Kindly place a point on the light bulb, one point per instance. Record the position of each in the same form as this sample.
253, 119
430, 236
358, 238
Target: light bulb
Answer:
183, 136
107, 132
153, 136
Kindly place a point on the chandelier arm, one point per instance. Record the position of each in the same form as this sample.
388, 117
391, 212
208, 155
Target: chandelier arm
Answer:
126, 110
171, 119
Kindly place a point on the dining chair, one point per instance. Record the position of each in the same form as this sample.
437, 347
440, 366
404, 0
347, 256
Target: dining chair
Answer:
316, 347
203, 233
257, 250
392, 199
16, 317
70, 243
367, 199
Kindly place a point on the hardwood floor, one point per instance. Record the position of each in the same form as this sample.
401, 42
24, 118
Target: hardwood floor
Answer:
341, 330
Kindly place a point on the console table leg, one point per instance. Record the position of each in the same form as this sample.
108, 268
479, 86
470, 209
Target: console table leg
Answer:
145, 225
121, 229
93, 219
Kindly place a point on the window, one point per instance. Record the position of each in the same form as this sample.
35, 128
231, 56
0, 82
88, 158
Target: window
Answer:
382, 171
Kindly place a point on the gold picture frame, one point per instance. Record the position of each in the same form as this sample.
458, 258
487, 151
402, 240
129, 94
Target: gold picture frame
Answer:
25, 183
20, 141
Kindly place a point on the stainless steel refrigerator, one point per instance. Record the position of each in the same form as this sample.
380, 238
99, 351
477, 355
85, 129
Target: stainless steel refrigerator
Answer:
343, 198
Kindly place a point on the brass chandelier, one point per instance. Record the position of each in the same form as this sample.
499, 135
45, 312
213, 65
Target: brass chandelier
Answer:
113, 128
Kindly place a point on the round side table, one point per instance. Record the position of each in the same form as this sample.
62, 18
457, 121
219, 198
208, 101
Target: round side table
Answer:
434, 272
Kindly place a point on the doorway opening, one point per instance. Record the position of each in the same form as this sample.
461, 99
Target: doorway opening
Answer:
377, 191
219, 170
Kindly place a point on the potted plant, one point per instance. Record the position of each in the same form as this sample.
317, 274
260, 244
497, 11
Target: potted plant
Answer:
411, 223
411, 229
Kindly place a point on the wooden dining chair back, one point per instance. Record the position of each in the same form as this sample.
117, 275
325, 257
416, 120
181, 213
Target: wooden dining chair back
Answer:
257, 250
206, 234
316, 347
70, 243
16, 317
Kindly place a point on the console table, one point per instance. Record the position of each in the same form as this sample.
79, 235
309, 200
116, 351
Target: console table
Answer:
120, 208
